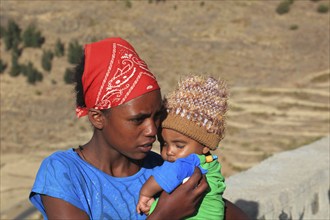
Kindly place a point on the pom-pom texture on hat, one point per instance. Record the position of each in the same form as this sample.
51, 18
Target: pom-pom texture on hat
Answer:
197, 109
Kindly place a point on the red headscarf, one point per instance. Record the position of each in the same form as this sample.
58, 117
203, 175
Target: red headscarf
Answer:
113, 75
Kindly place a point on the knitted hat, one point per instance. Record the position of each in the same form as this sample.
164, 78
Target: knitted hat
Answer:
197, 109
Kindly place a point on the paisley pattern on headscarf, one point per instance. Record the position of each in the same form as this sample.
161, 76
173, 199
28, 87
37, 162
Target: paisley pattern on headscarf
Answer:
113, 74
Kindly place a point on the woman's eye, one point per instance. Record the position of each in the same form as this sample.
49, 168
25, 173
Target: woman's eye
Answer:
137, 120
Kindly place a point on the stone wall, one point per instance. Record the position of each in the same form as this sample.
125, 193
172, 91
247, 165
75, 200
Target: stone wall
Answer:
288, 185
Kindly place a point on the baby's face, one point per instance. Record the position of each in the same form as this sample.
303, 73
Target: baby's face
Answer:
176, 145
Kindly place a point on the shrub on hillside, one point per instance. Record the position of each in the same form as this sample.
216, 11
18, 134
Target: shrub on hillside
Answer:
59, 48
75, 52
46, 60
32, 74
3, 66
150, 1
128, 3
15, 69
294, 27
2, 31
322, 8
32, 37
12, 36
69, 76
284, 7
17, 51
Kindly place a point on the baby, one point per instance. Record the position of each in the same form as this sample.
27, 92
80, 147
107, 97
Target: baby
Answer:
193, 126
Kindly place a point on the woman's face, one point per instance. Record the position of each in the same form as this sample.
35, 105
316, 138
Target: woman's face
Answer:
175, 145
131, 128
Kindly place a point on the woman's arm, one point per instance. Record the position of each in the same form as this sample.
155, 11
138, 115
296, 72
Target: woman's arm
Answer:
183, 201
60, 209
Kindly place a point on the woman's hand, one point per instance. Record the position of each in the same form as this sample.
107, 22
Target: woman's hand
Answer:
183, 201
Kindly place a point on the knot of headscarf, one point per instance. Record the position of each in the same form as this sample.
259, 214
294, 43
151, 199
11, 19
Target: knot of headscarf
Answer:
113, 74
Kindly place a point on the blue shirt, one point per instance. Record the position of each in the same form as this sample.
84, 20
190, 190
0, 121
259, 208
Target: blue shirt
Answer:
66, 176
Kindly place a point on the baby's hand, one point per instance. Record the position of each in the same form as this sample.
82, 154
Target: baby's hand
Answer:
144, 204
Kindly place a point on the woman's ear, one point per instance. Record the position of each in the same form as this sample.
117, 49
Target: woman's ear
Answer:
206, 150
96, 117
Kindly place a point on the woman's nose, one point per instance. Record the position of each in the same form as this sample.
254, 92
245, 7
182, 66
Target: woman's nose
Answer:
151, 129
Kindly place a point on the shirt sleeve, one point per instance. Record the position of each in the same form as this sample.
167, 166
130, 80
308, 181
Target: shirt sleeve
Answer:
54, 179
171, 174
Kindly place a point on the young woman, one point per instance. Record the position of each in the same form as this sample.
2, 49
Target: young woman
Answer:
102, 178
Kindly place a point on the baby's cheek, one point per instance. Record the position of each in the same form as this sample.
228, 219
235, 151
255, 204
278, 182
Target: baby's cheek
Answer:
163, 154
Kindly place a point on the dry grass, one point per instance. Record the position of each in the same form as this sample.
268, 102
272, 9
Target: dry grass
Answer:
279, 78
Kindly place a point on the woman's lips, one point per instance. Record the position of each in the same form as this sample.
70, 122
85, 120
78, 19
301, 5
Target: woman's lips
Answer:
146, 148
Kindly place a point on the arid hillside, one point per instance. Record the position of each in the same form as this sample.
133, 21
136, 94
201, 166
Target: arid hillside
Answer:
278, 75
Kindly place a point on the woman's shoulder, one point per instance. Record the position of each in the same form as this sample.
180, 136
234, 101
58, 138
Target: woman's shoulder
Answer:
57, 166
60, 157
61, 154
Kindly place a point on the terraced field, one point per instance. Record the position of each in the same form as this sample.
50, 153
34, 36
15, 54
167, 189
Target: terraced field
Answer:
263, 121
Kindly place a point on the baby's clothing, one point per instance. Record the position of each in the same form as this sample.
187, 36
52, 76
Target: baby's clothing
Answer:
171, 174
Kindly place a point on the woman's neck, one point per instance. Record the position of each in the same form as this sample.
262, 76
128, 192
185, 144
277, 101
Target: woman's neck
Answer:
108, 160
